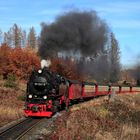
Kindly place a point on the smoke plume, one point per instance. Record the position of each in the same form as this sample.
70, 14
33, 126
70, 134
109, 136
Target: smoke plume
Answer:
75, 31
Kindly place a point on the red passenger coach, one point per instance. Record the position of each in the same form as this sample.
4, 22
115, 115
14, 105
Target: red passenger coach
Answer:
88, 90
75, 90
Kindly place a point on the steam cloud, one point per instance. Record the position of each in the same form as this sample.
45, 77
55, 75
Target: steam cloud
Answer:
45, 63
82, 32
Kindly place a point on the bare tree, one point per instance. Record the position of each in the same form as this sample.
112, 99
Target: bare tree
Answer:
14, 37
8, 38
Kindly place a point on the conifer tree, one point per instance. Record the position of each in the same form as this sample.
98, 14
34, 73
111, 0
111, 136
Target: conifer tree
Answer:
32, 38
114, 59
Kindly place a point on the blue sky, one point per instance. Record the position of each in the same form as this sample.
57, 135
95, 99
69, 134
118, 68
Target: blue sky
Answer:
122, 16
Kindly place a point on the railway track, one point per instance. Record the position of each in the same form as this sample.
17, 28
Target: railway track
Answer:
17, 131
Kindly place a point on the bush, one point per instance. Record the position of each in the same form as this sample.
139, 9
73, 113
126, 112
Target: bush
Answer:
1, 77
10, 81
21, 97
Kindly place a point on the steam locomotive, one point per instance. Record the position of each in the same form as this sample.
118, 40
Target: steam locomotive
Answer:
48, 92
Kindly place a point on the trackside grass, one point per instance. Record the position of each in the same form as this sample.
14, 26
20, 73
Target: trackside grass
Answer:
11, 105
100, 119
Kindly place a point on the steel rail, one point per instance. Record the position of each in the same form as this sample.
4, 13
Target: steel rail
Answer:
28, 130
18, 130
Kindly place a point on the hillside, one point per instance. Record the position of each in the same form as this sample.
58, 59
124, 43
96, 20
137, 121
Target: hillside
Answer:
99, 119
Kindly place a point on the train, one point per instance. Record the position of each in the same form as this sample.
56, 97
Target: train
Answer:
48, 92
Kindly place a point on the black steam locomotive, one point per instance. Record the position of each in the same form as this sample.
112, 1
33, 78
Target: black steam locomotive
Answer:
43, 84
44, 93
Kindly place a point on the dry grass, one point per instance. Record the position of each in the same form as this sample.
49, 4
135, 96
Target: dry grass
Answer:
100, 120
11, 105
9, 114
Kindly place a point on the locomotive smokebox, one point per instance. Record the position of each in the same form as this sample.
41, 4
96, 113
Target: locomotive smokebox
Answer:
45, 63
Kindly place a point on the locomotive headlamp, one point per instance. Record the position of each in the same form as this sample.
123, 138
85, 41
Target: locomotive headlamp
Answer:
44, 97
39, 71
30, 96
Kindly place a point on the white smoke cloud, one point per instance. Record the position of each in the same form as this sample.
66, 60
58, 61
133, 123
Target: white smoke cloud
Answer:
45, 63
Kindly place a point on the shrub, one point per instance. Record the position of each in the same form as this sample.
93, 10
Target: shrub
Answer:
10, 81
21, 97
1, 77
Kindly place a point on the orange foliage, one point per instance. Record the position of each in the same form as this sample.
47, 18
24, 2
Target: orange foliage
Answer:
66, 68
19, 61
4, 60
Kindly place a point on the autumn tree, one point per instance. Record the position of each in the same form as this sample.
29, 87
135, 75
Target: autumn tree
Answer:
17, 61
4, 59
65, 67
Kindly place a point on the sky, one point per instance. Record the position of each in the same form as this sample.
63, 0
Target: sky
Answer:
122, 16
